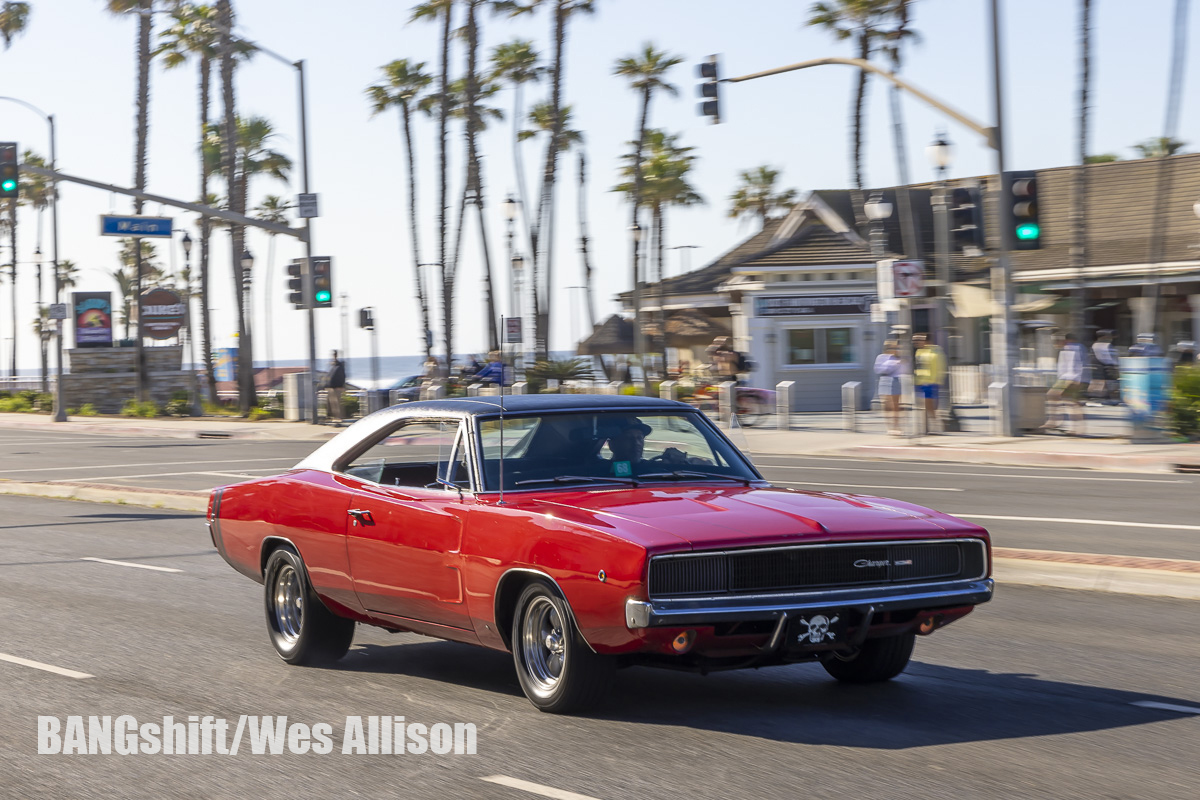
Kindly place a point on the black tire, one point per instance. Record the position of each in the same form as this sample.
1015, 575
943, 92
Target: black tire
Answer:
877, 660
558, 672
303, 631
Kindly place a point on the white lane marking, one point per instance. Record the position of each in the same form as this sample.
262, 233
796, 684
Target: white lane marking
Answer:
1166, 706
982, 474
271, 470
292, 459
844, 459
1111, 523
535, 788
130, 564
864, 486
92, 440
25, 662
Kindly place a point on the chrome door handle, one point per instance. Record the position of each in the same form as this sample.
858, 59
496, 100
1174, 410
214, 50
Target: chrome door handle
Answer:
361, 517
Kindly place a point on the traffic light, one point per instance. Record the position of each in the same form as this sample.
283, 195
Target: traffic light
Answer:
295, 284
966, 221
710, 89
322, 282
366, 318
9, 185
1026, 227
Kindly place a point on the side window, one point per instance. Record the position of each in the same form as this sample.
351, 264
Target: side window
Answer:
414, 454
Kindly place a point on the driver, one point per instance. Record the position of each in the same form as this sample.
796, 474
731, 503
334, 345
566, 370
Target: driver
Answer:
628, 443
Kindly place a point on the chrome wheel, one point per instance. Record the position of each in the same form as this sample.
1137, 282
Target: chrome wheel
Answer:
288, 603
543, 644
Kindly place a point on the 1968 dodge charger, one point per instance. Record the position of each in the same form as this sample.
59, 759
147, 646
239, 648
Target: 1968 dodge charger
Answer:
584, 533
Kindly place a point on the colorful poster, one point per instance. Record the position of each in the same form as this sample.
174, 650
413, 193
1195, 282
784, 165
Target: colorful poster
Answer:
1145, 389
93, 318
225, 364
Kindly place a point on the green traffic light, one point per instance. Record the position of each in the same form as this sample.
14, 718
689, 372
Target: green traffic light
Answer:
8, 185
324, 297
1028, 231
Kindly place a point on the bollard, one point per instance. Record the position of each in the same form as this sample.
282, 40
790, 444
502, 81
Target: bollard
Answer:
614, 387
783, 405
725, 407
851, 397
436, 392
519, 387
996, 408
473, 389
666, 390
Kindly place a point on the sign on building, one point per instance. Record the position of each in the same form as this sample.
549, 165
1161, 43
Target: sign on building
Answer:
512, 330
162, 314
93, 318
813, 305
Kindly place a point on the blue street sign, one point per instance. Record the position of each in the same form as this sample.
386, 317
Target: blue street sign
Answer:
135, 227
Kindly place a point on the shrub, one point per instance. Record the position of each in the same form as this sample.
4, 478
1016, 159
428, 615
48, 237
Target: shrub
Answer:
72, 412
178, 408
1184, 404
219, 409
88, 410
350, 405
44, 402
133, 408
15, 405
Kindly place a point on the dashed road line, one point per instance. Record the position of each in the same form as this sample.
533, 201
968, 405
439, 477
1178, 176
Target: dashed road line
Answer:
981, 474
292, 459
25, 662
865, 486
130, 564
1108, 523
536, 788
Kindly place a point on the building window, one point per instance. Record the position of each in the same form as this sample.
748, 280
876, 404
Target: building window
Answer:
812, 346
802, 347
831, 276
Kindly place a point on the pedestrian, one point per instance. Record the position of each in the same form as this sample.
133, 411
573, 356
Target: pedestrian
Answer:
1185, 353
928, 373
335, 385
1105, 356
1146, 347
889, 367
724, 359
1063, 399
493, 371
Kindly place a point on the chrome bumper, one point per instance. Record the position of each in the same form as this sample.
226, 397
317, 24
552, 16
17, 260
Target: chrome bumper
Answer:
712, 610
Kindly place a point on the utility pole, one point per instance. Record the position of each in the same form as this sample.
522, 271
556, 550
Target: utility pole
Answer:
1002, 333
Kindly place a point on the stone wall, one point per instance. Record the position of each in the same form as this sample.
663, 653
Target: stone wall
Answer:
106, 377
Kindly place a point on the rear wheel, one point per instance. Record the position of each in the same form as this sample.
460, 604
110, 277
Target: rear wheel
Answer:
301, 628
877, 660
558, 672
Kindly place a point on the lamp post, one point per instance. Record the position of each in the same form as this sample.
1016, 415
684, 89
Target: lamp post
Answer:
60, 412
43, 332
941, 153
877, 211
516, 264
193, 387
639, 336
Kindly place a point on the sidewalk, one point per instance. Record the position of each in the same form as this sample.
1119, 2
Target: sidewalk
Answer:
173, 427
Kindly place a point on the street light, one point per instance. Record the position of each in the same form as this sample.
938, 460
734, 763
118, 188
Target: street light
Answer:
510, 208
877, 209
941, 153
639, 336
197, 409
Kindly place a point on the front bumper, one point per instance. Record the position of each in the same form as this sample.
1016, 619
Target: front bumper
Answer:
640, 614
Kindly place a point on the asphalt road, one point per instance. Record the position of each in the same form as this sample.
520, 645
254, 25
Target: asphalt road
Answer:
1032, 696
1076, 510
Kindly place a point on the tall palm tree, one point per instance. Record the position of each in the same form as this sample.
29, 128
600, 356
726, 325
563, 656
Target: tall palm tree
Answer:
517, 63
39, 193
1158, 146
442, 11
194, 33
145, 25
273, 208
138, 264
866, 22
646, 72
14, 17
67, 275
755, 195
542, 237
401, 88
893, 41
11, 227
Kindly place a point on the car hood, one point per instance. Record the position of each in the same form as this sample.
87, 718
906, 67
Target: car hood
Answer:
676, 517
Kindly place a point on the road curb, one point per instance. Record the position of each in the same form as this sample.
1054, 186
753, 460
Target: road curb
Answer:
98, 493
963, 455
1090, 577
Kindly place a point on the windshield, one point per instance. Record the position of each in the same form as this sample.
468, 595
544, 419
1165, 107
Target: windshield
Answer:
606, 448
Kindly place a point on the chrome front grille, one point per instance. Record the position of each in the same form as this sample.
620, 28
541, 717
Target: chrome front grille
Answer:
801, 568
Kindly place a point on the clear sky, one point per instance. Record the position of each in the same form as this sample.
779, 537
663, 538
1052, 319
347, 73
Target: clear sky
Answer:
78, 62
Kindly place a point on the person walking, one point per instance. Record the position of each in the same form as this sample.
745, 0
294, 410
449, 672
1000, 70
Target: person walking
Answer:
1063, 400
929, 370
889, 366
335, 385
1106, 360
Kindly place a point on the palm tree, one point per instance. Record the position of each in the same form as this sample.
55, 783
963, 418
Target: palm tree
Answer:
646, 73
517, 63
138, 264
11, 225
542, 237
142, 8
541, 120
67, 275
866, 22
755, 195
39, 194
194, 33
13, 19
273, 208
1158, 146
401, 87
43, 328
433, 10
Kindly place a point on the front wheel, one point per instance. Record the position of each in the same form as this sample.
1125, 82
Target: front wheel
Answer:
302, 629
877, 660
558, 672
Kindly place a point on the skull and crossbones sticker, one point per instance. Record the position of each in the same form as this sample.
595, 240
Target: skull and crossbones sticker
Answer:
817, 629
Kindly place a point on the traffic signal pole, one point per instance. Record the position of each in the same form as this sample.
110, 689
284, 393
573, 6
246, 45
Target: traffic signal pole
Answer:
308, 252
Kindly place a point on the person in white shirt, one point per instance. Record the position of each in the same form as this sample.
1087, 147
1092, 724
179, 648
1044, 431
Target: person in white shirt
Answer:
1107, 371
1063, 399
889, 367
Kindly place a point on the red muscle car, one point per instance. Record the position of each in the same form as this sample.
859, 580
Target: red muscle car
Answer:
584, 533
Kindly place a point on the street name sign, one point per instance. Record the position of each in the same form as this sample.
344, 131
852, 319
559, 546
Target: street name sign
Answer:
135, 227
306, 206
58, 311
